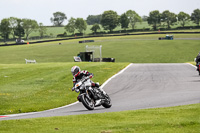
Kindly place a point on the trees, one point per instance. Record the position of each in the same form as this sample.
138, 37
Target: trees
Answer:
169, 18
13, 25
133, 18
144, 18
95, 27
93, 19
183, 18
124, 21
19, 30
5, 29
109, 20
58, 18
195, 17
70, 27
42, 29
154, 19
80, 25
29, 26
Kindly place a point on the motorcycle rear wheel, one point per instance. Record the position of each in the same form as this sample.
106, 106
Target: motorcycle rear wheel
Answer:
88, 103
107, 103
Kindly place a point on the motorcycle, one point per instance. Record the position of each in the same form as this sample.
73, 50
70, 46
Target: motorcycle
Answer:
198, 65
91, 96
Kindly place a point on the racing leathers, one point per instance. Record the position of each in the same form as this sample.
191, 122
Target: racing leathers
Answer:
80, 75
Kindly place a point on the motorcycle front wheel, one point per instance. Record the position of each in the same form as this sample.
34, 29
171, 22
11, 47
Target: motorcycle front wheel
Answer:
88, 103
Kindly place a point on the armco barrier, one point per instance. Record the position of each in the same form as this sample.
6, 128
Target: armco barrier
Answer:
85, 41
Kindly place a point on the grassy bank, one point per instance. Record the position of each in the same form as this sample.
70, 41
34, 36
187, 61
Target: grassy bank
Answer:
181, 119
137, 49
36, 87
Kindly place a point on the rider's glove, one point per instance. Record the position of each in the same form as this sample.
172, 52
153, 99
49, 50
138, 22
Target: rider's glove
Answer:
97, 84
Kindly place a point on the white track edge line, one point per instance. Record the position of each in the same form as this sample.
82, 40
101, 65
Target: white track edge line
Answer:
116, 75
191, 65
12, 115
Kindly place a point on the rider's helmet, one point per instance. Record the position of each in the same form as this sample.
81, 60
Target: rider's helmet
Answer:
75, 70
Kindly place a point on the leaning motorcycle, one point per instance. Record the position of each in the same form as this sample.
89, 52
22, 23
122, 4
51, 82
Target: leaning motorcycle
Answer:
198, 65
90, 95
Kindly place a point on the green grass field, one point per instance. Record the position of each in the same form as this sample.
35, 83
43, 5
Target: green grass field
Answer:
46, 85
181, 119
136, 49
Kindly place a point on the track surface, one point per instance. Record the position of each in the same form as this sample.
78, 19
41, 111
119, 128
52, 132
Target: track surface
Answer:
140, 86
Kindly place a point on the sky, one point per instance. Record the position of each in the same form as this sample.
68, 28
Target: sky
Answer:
42, 10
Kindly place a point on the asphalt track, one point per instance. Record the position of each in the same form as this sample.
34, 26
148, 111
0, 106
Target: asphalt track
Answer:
139, 86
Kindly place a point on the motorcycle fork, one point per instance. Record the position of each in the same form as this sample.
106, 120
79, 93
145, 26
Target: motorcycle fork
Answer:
87, 95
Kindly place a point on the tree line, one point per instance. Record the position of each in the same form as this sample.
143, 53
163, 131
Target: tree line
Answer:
19, 28
169, 18
109, 20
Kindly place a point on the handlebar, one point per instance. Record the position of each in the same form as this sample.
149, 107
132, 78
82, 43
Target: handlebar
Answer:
85, 79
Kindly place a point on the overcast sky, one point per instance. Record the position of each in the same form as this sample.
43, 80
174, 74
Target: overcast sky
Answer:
42, 10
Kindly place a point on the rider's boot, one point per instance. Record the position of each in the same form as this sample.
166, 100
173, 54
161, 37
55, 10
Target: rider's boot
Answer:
97, 85
102, 90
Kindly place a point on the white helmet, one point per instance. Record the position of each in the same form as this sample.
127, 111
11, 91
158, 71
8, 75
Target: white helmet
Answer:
75, 70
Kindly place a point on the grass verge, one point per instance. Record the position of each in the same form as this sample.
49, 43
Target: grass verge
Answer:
37, 87
137, 49
180, 119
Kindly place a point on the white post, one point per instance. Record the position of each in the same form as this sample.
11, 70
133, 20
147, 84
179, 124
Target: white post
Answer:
86, 48
100, 53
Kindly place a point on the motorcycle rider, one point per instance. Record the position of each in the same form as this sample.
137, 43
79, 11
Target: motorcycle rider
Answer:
78, 74
197, 60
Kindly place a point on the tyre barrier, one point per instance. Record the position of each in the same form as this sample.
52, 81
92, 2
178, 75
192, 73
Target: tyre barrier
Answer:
86, 41
108, 59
